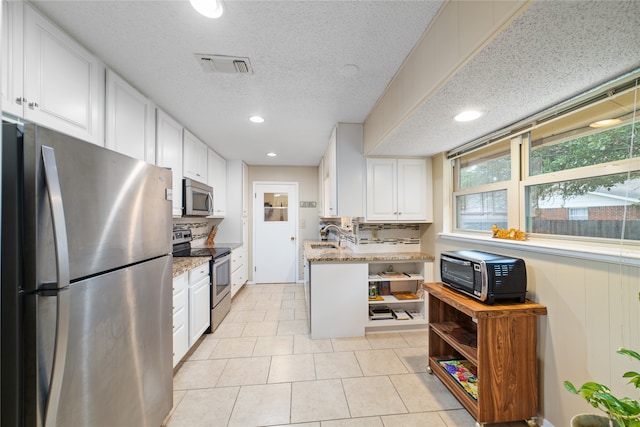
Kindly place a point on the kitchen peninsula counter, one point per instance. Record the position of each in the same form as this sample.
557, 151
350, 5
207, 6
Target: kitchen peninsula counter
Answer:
337, 282
329, 254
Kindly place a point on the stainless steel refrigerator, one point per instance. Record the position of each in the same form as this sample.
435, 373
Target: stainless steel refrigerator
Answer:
86, 316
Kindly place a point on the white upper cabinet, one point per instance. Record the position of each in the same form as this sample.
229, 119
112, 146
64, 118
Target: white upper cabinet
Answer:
130, 124
195, 157
344, 172
50, 79
169, 154
399, 190
217, 173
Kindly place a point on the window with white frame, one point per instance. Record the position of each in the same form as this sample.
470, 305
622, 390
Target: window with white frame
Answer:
577, 174
482, 182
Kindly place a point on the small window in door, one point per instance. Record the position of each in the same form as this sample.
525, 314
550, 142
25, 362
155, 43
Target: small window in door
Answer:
276, 207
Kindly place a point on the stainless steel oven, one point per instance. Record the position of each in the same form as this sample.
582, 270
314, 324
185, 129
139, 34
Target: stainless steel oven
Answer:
220, 289
197, 198
219, 269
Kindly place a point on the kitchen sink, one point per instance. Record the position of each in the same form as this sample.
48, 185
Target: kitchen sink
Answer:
323, 246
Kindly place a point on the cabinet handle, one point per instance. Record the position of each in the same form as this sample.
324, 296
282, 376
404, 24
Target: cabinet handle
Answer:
20, 100
33, 105
399, 213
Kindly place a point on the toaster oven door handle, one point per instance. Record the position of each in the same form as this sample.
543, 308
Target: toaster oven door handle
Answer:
456, 261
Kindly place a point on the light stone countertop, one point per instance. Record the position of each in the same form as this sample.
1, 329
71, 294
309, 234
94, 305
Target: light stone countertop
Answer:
347, 255
182, 265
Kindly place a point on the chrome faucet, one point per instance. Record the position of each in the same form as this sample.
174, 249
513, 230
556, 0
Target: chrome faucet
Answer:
338, 229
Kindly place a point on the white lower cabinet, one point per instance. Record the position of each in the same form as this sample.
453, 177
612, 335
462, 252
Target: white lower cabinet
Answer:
199, 305
338, 305
191, 309
395, 291
180, 317
238, 269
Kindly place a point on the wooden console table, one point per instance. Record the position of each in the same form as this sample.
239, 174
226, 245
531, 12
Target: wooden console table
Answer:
500, 342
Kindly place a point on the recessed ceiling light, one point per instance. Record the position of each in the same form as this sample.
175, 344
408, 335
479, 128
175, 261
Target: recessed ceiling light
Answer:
208, 8
349, 70
256, 119
271, 154
605, 123
467, 116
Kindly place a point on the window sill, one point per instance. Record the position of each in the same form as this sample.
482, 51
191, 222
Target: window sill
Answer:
618, 254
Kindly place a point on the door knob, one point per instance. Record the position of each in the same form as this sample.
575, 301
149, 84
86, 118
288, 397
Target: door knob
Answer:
293, 238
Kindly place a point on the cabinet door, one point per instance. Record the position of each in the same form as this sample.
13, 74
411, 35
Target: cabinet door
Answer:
63, 83
130, 124
412, 193
382, 190
169, 154
321, 188
195, 157
330, 199
180, 318
245, 192
12, 54
217, 173
199, 309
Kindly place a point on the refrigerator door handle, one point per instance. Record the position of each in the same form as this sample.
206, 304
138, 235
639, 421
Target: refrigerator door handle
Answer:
62, 270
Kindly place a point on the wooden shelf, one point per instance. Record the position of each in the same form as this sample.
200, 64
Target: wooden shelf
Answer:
390, 299
499, 340
467, 401
396, 322
408, 278
377, 278
464, 341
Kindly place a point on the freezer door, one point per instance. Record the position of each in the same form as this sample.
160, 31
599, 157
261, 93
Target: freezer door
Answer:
118, 368
117, 209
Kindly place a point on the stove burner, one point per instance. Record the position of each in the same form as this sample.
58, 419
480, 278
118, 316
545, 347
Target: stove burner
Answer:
201, 252
183, 247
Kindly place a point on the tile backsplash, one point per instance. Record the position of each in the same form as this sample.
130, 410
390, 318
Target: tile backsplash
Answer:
200, 227
366, 237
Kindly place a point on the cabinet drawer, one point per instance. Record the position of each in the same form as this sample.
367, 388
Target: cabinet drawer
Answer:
180, 343
180, 318
180, 283
180, 300
198, 273
238, 277
237, 258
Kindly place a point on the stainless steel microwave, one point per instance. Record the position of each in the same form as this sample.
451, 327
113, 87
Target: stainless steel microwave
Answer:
197, 198
484, 276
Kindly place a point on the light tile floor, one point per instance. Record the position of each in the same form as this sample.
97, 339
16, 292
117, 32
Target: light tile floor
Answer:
260, 368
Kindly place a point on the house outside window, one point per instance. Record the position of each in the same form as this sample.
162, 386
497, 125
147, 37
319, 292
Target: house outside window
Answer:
578, 214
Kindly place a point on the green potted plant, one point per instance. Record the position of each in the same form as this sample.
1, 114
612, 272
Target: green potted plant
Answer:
620, 411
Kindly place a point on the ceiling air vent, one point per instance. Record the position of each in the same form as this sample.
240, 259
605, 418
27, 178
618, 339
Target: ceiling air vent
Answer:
224, 64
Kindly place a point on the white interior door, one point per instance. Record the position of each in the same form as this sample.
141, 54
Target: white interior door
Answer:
275, 234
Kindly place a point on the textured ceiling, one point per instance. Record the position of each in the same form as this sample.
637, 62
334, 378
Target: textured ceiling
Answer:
554, 50
297, 49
